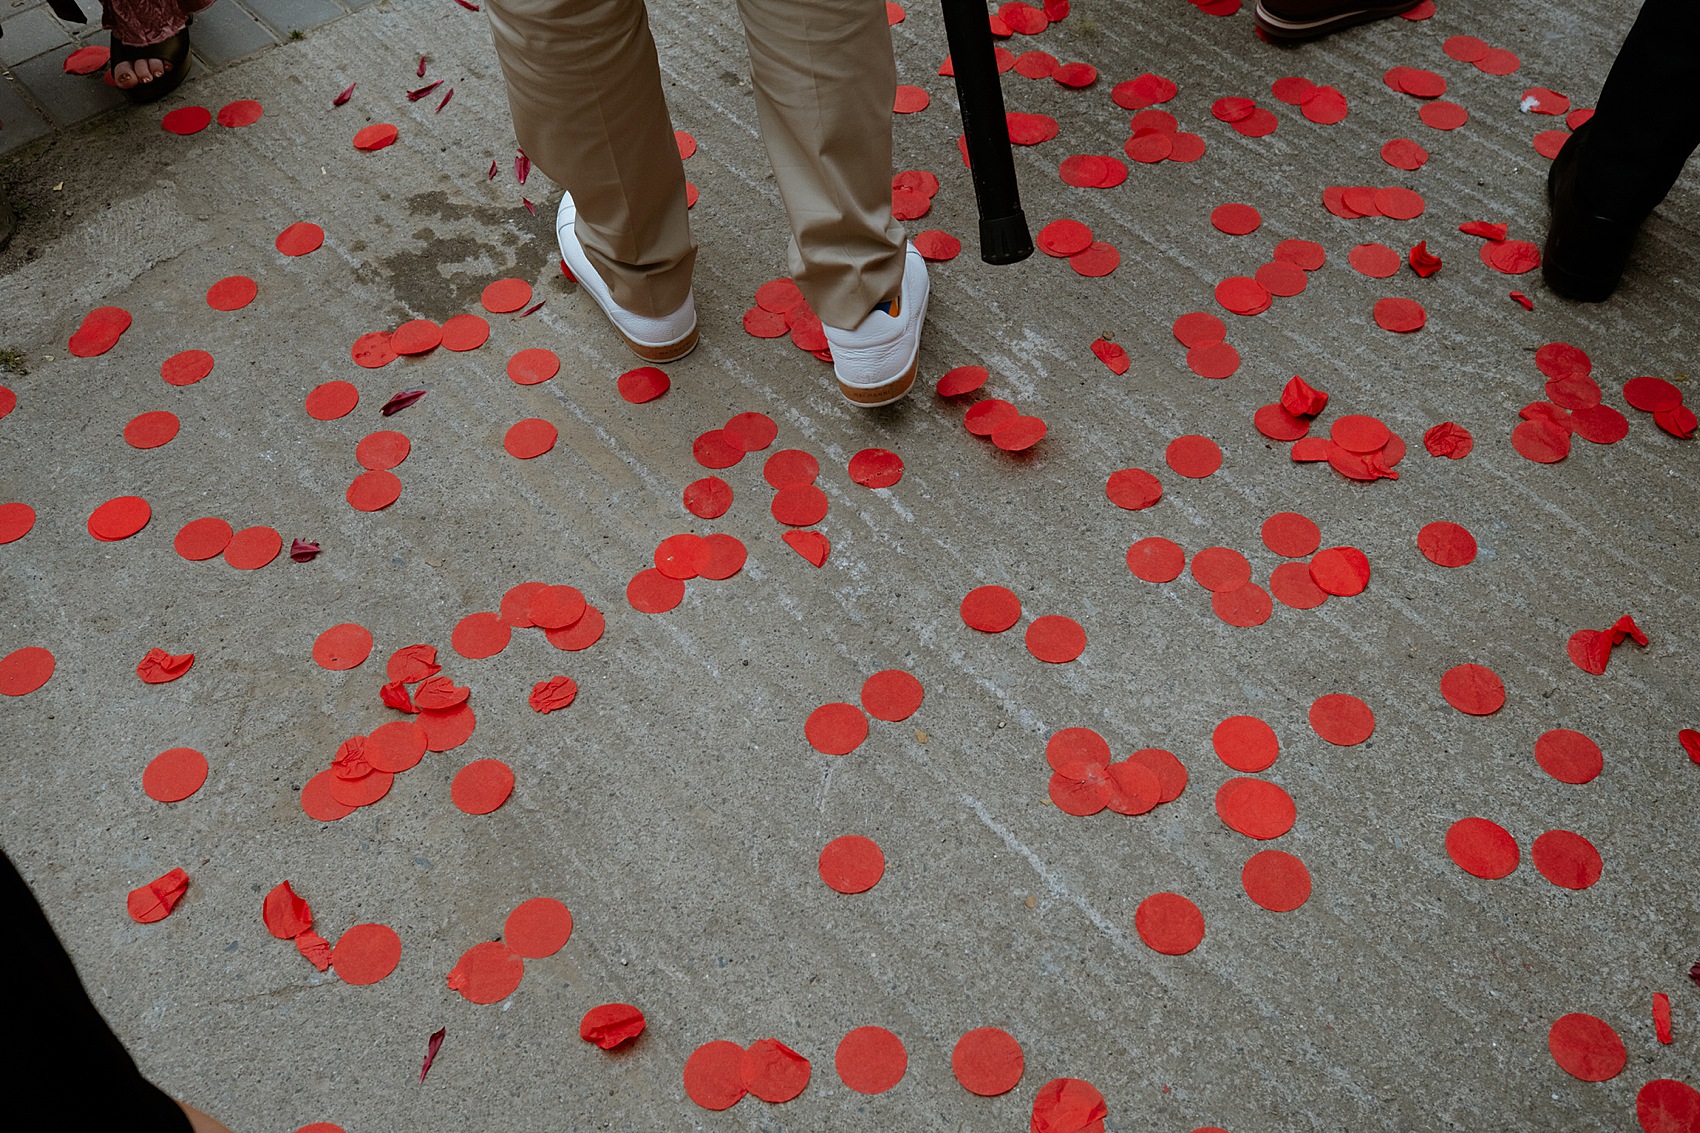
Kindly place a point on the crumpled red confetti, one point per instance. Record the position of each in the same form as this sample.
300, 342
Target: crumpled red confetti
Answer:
344, 96
1068, 1105
1424, 262
611, 1025
1590, 649
287, 916
155, 900
159, 667
315, 949
303, 550
1112, 355
1448, 439
552, 694
1301, 399
812, 545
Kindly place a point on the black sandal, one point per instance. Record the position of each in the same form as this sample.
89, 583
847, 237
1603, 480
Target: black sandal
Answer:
173, 52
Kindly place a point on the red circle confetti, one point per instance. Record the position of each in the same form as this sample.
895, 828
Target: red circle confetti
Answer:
1341, 571
799, 505
538, 928
1199, 328
892, 695
16, 520
1235, 219
480, 635
773, 1071
1400, 316
232, 293
300, 238
184, 368
1586, 1047
377, 136
24, 670
529, 438
1193, 456
119, 518
1291, 535
382, 450
1215, 360
644, 384
1055, 639
253, 547
836, 729
1566, 859
151, 430
1276, 880
1569, 756
1341, 719
651, 592
331, 400
963, 379
505, 295
1255, 808
1666, 1105
487, 972
851, 864
1377, 261
789, 467
1475, 690
1246, 743
1220, 568
186, 120
174, 775
465, 332
482, 786
987, 1061
342, 646
534, 366
871, 1060
1447, 544
1293, 587
876, 468
1156, 560
366, 953
374, 491
1481, 848
991, 609
714, 1075
1169, 923
1133, 489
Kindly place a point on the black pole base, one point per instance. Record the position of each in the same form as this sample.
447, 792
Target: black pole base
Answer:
1005, 239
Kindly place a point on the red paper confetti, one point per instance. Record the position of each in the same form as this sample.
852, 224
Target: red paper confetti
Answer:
1587, 1048
1255, 808
1193, 456
1341, 719
851, 864
186, 120
155, 900
175, 774
538, 928
1169, 923
987, 1061
714, 1075
1566, 859
613, 1025
773, 1071
377, 136
1276, 880
1481, 848
836, 729
990, 609
487, 972
160, 667
482, 786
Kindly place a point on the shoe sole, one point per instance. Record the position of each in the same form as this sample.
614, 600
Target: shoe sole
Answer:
873, 397
1294, 31
671, 352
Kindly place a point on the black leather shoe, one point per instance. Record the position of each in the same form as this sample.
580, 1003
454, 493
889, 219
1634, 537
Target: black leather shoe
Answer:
1293, 21
1585, 252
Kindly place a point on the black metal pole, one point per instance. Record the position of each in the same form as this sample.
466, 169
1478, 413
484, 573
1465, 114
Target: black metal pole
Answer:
1004, 238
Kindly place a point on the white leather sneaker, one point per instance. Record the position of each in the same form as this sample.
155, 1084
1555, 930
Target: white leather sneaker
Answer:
665, 339
876, 361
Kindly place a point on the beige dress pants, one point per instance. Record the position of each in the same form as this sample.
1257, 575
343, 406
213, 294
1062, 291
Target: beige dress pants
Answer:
585, 88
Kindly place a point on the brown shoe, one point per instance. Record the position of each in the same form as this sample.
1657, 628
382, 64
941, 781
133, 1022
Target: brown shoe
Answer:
1291, 21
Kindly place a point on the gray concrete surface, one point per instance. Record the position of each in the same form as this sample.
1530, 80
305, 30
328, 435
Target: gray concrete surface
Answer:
676, 807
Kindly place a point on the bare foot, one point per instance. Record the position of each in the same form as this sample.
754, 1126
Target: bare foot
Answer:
127, 74
199, 1121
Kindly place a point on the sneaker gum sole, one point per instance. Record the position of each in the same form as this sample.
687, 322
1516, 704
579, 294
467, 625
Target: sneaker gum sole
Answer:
873, 397
1296, 30
671, 352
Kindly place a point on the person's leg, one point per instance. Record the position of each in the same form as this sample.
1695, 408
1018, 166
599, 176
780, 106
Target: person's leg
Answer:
1618, 166
585, 89
825, 79
1638, 139
57, 1026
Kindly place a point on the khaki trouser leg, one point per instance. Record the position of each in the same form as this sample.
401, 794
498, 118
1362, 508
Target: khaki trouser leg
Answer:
825, 79
585, 89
